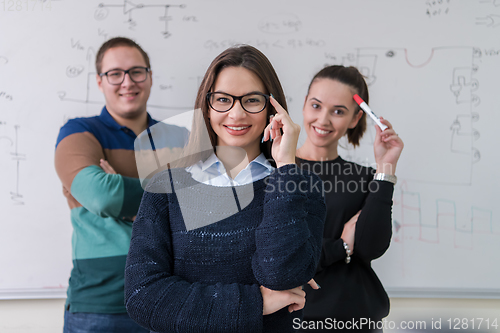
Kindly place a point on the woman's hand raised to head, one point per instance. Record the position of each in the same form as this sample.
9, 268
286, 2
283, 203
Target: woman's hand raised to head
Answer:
284, 146
387, 148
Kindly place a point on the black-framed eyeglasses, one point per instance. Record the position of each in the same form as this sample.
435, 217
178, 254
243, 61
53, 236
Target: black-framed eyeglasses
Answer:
252, 103
117, 76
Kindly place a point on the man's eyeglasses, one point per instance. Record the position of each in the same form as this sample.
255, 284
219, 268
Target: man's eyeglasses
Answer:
117, 76
252, 103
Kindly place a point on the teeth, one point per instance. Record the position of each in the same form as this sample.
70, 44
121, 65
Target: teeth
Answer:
128, 95
237, 128
321, 131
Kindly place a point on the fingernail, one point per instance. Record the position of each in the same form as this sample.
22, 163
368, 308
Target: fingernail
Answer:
319, 287
272, 96
262, 141
271, 136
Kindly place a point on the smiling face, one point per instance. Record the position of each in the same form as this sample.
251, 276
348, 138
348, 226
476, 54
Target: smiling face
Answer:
237, 127
127, 100
329, 111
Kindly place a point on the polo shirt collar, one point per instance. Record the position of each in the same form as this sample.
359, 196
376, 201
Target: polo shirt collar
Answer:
108, 120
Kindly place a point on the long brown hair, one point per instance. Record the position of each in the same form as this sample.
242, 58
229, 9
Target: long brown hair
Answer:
248, 57
354, 79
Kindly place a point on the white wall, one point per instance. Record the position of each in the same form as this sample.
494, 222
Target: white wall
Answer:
46, 316
31, 316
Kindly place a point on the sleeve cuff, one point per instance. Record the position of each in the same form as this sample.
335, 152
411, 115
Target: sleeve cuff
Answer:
132, 197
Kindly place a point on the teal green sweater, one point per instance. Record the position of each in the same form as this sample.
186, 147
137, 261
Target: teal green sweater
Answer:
102, 207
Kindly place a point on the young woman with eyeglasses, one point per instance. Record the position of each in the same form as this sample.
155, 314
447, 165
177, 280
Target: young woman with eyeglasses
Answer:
244, 271
358, 225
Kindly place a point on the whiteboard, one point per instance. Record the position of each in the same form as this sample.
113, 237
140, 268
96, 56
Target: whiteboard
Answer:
432, 66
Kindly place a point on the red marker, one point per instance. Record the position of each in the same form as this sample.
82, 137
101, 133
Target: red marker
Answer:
369, 111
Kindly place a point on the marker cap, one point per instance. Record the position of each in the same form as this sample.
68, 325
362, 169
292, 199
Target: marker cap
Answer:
358, 99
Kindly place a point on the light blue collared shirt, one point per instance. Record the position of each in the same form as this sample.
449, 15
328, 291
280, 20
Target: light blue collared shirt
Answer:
212, 172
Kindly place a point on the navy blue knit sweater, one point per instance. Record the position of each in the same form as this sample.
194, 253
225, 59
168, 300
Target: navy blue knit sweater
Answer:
208, 279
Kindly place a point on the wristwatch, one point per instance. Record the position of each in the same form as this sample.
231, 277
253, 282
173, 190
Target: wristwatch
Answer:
386, 177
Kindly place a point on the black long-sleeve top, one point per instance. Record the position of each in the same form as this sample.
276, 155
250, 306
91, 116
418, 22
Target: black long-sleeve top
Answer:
351, 290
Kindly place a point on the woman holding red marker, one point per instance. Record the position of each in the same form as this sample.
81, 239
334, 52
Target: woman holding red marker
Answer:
358, 226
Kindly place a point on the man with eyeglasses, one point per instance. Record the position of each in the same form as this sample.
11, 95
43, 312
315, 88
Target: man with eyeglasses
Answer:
95, 161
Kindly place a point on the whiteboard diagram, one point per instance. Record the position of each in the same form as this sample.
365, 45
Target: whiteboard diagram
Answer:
454, 95
432, 67
440, 114
15, 157
491, 19
129, 7
86, 77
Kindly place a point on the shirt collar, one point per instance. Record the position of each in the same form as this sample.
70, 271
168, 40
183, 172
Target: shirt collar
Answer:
213, 162
262, 160
108, 120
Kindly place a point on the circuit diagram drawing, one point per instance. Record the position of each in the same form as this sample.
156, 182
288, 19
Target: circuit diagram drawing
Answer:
464, 85
449, 226
75, 71
15, 195
12, 143
409, 225
457, 97
385, 67
490, 20
4, 96
464, 226
441, 117
462, 133
86, 75
482, 221
128, 8
495, 3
